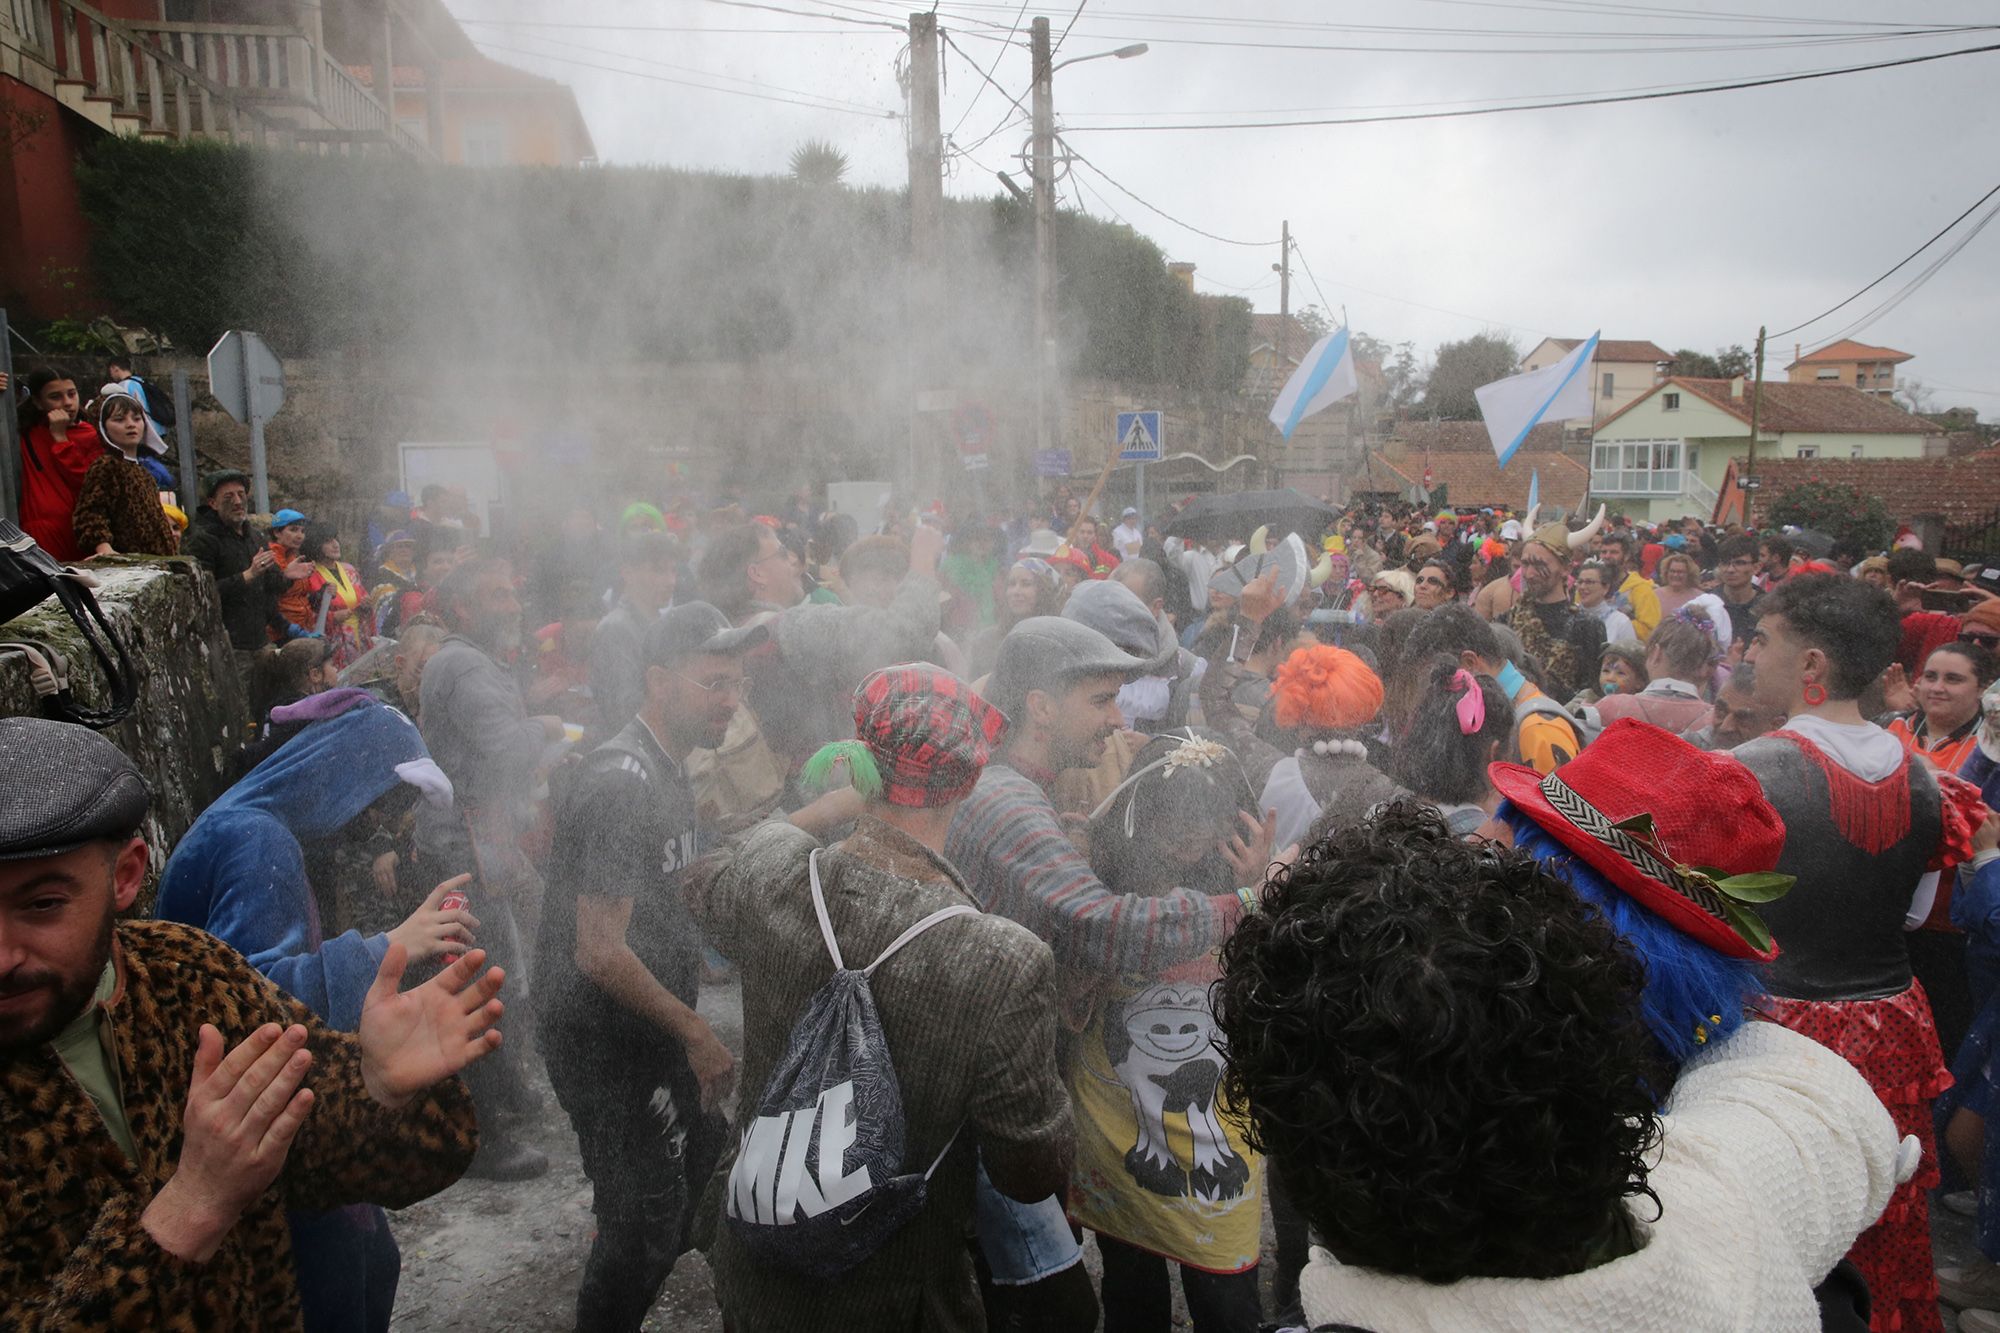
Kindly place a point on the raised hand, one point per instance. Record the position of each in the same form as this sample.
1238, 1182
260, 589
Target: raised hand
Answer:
1248, 850
431, 932
243, 1110
412, 1039
1260, 597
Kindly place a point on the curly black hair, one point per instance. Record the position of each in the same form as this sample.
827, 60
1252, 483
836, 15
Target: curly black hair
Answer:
1439, 1046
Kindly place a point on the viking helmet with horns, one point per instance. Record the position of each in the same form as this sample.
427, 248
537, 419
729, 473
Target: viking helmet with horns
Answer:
1557, 536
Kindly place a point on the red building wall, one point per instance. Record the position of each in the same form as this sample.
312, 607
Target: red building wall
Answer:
44, 249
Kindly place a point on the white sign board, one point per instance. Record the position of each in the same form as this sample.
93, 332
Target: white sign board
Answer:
470, 468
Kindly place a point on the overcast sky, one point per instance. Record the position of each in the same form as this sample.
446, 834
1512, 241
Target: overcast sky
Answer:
1688, 221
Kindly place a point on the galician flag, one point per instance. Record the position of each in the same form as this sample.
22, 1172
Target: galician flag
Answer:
1534, 487
1324, 378
1516, 405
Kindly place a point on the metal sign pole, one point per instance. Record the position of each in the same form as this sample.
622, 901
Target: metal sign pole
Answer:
1139, 502
260, 483
10, 441
184, 440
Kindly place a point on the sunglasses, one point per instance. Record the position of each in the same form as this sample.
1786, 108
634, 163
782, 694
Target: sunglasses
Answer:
737, 686
1982, 640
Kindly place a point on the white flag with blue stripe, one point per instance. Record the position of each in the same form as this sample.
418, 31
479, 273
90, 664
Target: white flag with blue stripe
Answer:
1324, 378
1516, 405
1534, 488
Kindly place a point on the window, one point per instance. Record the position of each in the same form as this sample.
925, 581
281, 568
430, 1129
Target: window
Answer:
1827, 374
1806, 451
485, 143
1638, 467
1670, 402
1607, 384
1856, 451
1860, 379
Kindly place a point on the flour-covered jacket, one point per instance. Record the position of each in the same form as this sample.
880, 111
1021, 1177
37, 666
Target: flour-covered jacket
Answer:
240, 873
969, 1012
1775, 1157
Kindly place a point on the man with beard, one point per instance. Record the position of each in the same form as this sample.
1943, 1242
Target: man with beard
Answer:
142, 1157
1057, 681
247, 575
479, 732
1566, 641
639, 1072
1632, 592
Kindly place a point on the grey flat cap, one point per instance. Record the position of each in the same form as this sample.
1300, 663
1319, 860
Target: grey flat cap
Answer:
66, 786
1115, 611
697, 627
1048, 652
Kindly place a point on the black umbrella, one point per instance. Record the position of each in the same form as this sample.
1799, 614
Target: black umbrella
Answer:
1218, 517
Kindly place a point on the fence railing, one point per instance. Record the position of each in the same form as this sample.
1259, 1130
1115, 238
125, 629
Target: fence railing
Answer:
1972, 538
246, 83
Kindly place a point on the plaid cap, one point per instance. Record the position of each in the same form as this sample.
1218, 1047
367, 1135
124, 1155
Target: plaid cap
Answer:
929, 733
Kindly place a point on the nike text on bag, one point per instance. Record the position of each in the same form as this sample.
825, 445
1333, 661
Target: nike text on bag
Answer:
818, 1181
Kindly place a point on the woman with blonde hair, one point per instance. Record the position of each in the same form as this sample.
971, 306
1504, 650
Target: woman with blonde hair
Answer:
1680, 581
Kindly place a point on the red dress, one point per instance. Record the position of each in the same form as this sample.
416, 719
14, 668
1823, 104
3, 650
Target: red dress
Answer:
51, 478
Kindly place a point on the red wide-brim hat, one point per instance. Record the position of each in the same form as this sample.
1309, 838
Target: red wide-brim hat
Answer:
1707, 810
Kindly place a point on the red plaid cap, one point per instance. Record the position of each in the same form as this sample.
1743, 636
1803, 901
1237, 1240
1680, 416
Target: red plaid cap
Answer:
929, 733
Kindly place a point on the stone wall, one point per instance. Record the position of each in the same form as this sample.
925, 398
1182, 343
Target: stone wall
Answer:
188, 720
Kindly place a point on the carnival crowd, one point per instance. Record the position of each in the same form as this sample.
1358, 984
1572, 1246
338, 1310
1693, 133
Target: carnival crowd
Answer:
1549, 927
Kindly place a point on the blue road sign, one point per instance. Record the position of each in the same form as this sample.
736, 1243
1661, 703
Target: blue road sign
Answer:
1140, 437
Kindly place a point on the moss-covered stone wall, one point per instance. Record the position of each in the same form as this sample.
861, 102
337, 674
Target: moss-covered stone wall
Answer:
188, 720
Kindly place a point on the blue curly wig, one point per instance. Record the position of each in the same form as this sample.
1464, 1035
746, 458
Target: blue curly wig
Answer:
1694, 995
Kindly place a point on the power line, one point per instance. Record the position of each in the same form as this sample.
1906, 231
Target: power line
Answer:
987, 74
1909, 288
706, 74
1403, 300
1066, 27
984, 76
1324, 304
666, 27
876, 113
1549, 105
1935, 238
1188, 226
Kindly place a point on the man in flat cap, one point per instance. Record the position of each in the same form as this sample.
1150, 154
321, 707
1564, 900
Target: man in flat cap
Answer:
1058, 680
161, 1101
968, 1006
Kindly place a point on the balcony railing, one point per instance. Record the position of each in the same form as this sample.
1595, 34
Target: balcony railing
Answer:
244, 83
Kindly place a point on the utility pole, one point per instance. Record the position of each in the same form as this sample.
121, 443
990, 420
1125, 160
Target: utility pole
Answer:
1044, 165
1756, 406
926, 300
1284, 267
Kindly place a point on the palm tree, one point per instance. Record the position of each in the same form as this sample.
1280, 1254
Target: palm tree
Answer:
817, 162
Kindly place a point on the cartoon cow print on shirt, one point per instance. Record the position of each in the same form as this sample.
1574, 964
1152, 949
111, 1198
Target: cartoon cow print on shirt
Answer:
1160, 1043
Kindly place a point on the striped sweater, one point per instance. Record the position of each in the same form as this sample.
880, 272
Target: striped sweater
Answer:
1018, 862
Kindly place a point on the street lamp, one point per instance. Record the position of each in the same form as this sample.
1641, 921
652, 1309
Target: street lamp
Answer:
1042, 162
1122, 53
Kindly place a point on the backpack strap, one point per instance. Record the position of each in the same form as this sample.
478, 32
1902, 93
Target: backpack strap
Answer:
826, 923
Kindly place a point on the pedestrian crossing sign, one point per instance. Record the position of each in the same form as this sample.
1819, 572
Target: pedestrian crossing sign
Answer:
1139, 437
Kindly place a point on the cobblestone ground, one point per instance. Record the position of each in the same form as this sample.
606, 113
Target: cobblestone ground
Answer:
507, 1258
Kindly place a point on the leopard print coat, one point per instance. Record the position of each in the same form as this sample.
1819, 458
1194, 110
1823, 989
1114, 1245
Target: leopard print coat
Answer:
74, 1255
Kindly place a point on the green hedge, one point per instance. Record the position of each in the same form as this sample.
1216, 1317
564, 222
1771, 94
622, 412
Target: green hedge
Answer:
530, 264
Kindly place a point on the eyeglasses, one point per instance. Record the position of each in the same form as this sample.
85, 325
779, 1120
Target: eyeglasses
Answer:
1432, 582
736, 686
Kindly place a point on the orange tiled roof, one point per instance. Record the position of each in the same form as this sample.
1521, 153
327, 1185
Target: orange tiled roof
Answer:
1477, 479
1952, 489
1849, 350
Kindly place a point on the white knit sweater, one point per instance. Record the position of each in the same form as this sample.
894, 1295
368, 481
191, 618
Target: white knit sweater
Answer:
1776, 1156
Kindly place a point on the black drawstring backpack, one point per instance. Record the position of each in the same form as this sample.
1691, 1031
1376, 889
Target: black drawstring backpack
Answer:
30, 576
818, 1183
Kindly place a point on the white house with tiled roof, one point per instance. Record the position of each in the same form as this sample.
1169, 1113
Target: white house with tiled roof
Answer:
1623, 368
1664, 455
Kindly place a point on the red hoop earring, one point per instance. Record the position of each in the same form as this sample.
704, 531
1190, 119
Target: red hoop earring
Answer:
1814, 694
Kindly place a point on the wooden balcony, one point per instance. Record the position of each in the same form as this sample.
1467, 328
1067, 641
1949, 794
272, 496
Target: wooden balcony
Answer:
261, 85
